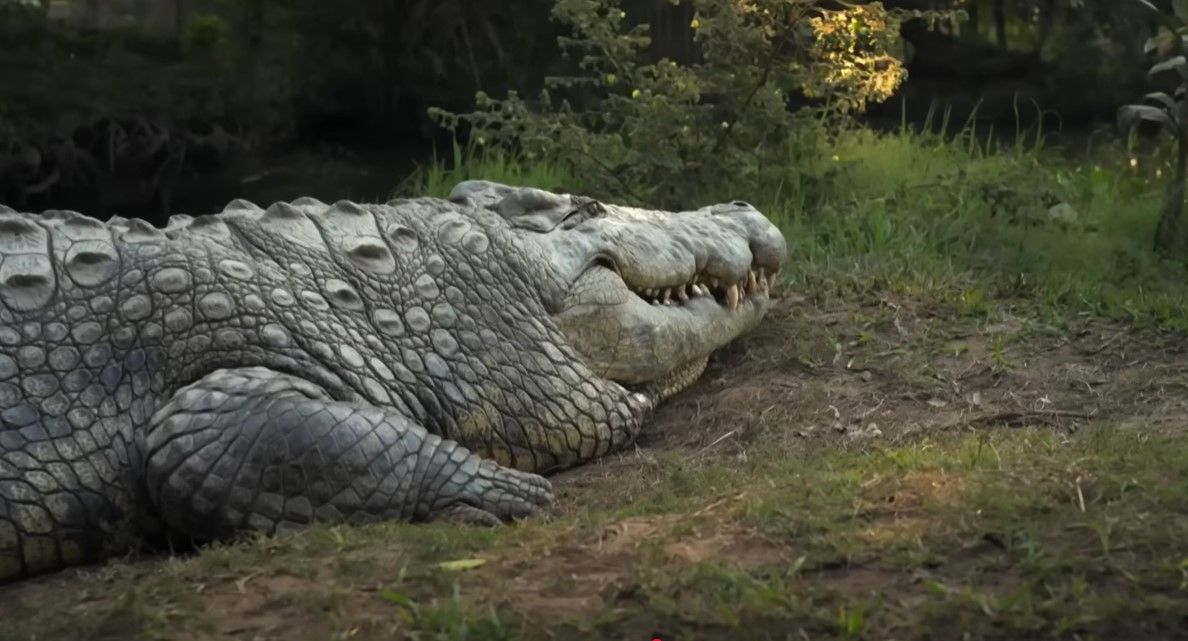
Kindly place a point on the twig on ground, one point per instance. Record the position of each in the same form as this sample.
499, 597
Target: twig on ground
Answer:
873, 409
241, 583
718, 503
718, 440
1019, 417
1101, 348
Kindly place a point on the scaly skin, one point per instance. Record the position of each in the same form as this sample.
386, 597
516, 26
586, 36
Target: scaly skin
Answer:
266, 369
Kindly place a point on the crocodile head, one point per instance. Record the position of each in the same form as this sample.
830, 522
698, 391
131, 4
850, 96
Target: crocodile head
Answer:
644, 296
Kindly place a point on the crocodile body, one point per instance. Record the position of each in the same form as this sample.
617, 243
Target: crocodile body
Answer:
263, 369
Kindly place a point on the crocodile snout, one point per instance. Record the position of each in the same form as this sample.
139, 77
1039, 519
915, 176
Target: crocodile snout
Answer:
768, 248
728, 252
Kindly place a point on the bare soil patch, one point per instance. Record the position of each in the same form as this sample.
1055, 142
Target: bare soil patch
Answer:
890, 370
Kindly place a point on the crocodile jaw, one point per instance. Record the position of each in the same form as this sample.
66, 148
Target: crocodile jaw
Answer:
638, 340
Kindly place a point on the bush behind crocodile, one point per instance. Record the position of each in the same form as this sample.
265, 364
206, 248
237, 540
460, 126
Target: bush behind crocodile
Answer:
261, 370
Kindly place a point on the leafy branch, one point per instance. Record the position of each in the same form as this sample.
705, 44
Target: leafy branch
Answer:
1161, 112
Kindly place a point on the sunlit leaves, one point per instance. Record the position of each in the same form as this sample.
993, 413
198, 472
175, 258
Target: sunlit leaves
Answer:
856, 44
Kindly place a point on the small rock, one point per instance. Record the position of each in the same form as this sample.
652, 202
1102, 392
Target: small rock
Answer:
1062, 213
866, 375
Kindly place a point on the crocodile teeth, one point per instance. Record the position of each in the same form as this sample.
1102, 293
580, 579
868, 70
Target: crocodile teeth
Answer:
755, 280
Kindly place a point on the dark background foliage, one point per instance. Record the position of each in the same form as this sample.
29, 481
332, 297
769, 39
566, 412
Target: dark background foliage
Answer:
142, 107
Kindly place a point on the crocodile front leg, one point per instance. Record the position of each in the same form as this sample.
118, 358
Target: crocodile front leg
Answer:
254, 449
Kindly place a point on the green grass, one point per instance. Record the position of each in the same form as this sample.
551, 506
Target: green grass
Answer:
954, 220
1004, 536
439, 176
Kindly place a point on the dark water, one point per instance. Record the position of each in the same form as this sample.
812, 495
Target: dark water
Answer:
328, 174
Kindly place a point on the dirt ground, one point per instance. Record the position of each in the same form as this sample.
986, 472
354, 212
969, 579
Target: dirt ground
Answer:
814, 376
895, 370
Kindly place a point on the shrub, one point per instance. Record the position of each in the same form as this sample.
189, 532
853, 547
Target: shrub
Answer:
661, 132
204, 33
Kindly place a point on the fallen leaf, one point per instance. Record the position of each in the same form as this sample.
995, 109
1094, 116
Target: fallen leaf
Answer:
461, 564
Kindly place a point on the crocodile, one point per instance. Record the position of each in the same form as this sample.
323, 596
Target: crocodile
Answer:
261, 370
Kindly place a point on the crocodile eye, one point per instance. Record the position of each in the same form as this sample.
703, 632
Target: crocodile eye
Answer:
572, 219
581, 214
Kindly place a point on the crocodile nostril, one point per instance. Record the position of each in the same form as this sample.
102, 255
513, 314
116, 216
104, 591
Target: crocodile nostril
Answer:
741, 203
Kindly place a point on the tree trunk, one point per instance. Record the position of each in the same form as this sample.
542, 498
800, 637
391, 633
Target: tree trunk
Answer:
974, 27
181, 13
91, 16
1047, 15
1000, 23
1169, 234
